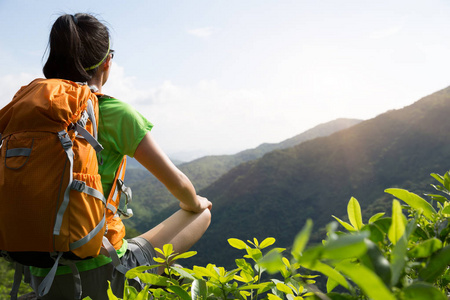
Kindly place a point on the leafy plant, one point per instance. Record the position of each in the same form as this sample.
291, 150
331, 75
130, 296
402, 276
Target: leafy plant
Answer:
7, 279
404, 256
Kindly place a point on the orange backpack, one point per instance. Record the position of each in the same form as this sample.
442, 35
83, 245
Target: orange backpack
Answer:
50, 190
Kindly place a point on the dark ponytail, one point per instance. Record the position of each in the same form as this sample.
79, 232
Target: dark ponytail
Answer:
77, 42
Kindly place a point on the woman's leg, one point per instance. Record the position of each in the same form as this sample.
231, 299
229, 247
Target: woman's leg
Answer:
182, 229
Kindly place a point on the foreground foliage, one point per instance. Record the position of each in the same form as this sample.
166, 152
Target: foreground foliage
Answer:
402, 256
6, 280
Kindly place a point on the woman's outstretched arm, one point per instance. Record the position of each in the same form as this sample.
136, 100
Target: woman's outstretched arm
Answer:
151, 156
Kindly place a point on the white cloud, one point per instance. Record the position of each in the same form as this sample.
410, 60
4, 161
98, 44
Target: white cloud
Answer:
10, 84
389, 31
204, 117
202, 32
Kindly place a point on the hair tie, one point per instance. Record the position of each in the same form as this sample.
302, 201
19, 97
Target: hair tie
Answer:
75, 19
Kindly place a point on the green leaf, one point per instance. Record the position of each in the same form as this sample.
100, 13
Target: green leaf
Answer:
284, 288
276, 250
183, 273
245, 266
446, 210
255, 254
110, 293
228, 276
185, 255
159, 250
376, 235
202, 271
376, 217
159, 260
414, 201
286, 262
336, 296
383, 224
295, 285
438, 177
310, 256
397, 227
330, 273
374, 259
153, 279
168, 250
422, 291
143, 294
345, 246
180, 292
354, 213
436, 265
440, 188
331, 284
260, 287
267, 242
302, 239
447, 181
272, 262
398, 255
238, 244
129, 292
367, 280
199, 289
245, 278
426, 248
345, 224
438, 198
133, 273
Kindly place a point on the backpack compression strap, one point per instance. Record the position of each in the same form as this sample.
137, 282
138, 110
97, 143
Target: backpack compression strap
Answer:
115, 204
46, 284
67, 144
81, 124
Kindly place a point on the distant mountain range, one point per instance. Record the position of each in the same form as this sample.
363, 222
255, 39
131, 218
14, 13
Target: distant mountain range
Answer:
152, 199
274, 195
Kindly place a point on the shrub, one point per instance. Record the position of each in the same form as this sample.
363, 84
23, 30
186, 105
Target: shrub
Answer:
404, 256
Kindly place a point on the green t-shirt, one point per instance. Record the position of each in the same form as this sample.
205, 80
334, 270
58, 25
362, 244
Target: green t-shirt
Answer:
120, 130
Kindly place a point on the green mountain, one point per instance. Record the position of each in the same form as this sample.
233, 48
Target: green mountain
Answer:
274, 195
206, 170
151, 198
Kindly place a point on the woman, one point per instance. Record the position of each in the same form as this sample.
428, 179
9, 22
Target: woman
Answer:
80, 51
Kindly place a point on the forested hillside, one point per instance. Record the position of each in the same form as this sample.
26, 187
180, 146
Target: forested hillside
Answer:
151, 198
274, 195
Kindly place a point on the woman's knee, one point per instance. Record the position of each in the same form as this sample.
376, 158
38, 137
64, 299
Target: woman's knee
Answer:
206, 215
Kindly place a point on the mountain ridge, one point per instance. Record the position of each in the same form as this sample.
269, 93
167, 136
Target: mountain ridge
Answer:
274, 195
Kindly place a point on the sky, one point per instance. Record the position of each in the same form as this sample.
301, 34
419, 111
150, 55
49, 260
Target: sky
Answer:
218, 77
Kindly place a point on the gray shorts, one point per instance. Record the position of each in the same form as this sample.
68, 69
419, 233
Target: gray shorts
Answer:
95, 282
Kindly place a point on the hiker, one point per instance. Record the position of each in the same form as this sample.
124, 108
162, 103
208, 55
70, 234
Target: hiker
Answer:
80, 51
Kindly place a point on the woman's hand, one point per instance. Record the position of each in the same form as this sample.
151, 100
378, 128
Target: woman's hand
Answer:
203, 204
